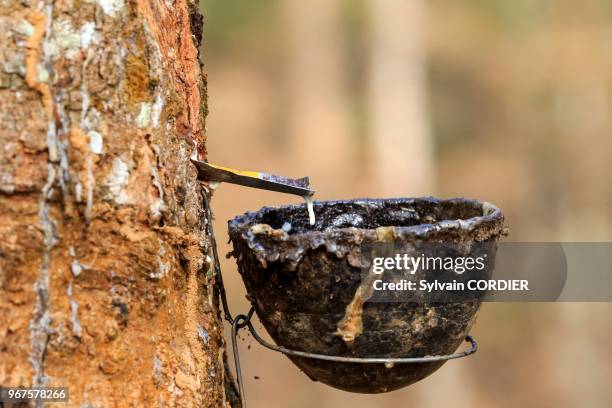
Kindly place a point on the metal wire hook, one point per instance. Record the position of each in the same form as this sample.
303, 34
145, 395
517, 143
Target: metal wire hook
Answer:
238, 323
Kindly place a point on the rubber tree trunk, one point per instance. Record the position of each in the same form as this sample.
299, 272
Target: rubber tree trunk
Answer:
106, 284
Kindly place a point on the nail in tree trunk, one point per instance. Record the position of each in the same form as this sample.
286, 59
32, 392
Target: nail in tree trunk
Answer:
106, 285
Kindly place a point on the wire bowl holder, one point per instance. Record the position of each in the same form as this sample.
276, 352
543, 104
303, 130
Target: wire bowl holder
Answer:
241, 321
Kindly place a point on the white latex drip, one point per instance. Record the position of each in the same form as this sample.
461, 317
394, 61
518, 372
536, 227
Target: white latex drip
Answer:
311, 214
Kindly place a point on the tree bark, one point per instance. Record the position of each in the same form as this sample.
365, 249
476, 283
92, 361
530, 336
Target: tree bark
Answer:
106, 283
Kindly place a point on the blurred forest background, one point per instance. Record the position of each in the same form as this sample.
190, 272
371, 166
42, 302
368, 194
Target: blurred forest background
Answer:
504, 101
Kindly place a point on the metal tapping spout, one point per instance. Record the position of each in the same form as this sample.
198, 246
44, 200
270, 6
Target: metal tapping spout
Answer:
255, 179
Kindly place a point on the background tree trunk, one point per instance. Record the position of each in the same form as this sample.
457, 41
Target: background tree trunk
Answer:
317, 119
106, 285
402, 146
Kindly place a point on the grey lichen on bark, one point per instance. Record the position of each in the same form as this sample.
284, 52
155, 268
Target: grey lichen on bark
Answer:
105, 268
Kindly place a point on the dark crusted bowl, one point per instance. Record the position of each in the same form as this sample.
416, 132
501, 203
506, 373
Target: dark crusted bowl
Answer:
301, 280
